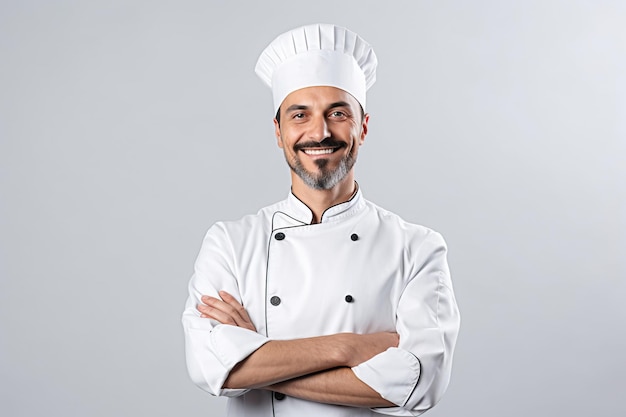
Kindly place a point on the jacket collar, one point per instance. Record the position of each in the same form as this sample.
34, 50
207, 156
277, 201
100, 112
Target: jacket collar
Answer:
295, 213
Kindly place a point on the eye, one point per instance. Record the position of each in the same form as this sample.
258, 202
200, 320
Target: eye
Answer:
298, 116
338, 114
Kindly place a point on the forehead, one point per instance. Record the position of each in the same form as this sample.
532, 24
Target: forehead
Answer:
322, 96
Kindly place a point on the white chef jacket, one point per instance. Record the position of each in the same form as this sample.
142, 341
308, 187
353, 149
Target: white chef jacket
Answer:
362, 269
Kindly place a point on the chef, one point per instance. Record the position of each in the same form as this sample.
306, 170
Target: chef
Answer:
323, 304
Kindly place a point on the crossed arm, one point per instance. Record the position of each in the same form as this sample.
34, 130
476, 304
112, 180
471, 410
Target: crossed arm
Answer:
315, 369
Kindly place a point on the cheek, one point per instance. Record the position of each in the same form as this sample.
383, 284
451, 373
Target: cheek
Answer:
356, 140
355, 150
286, 140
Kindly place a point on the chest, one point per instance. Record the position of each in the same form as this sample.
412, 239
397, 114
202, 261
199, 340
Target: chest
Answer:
315, 281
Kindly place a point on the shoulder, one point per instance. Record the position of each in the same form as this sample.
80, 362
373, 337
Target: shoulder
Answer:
423, 248
251, 224
412, 233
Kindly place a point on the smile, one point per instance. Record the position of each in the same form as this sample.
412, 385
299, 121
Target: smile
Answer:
324, 151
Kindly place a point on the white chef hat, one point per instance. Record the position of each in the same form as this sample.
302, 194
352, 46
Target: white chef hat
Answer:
317, 55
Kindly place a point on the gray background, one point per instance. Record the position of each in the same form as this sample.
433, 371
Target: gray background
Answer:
128, 127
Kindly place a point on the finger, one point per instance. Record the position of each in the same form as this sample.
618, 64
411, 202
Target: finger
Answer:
232, 301
214, 306
226, 313
220, 305
244, 319
216, 314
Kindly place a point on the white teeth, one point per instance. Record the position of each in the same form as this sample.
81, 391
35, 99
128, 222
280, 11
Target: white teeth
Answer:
318, 151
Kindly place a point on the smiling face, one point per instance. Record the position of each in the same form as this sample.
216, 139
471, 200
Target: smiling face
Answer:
320, 131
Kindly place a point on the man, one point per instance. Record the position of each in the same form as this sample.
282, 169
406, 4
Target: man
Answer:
323, 304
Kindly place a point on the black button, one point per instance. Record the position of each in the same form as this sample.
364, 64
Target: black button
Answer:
275, 300
354, 237
349, 298
279, 396
279, 236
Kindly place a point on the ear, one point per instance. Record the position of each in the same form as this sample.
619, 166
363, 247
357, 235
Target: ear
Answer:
366, 119
279, 140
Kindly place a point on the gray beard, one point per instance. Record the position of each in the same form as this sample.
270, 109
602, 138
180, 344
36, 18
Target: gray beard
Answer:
326, 179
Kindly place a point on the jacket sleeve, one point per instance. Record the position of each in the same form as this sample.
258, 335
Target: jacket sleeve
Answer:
416, 374
213, 349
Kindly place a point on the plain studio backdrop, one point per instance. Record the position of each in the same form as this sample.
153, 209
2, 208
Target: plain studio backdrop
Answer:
127, 128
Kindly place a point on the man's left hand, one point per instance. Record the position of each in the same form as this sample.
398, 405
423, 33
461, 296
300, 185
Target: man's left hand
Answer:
226, 310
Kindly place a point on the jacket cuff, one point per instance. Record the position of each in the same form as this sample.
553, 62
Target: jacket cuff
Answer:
212, 355
393, 374
232, 344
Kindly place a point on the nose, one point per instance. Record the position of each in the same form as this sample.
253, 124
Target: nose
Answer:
319, 129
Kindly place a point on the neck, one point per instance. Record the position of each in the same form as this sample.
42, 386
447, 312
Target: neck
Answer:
319, 200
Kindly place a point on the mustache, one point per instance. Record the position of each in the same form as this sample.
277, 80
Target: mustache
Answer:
329, 142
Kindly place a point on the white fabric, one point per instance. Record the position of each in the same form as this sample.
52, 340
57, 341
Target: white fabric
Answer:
317, 55
396, 273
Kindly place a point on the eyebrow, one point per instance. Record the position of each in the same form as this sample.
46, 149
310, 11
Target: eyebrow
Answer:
296, 107
334, 105
338, 104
